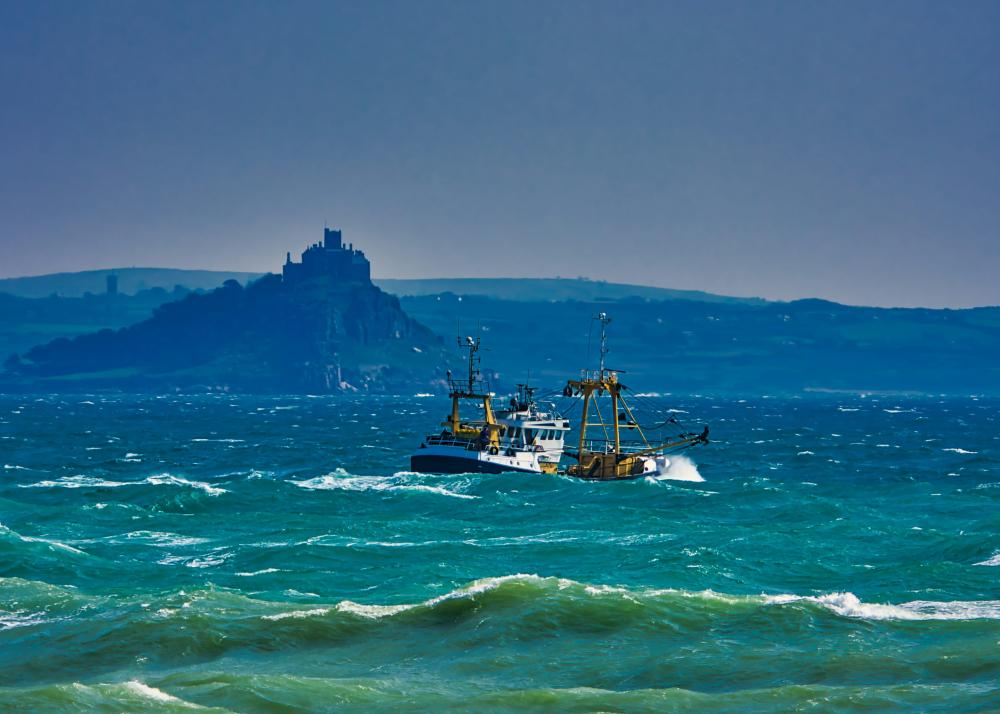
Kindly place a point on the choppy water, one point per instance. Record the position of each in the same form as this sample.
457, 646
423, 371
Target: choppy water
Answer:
274, 555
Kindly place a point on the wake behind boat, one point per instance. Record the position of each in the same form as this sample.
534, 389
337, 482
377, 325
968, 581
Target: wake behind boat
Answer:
521, 438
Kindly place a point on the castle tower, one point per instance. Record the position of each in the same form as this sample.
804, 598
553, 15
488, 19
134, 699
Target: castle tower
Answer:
332, 240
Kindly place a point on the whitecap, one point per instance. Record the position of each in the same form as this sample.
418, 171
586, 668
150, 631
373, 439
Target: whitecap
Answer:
994, 561
53, 543
168, 479
316, 612
503, 541
847, 604
164, 540
164, 479
960, 451
339, 481
599, 590
209, 560
374, 612
78, 481
19, 618
483, 585
147, 692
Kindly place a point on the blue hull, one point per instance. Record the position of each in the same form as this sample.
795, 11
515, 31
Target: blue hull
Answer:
437, 464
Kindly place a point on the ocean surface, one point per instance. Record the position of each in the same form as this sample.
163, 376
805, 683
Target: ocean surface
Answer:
274, 554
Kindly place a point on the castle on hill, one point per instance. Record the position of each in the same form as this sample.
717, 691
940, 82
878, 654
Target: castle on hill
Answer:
329, 259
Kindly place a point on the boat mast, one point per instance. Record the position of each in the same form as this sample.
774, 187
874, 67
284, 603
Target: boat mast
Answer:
611, 379
467, 390
591, 383
603, 318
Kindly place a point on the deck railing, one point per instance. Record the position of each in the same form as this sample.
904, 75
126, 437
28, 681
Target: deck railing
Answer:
605, 445
470, 444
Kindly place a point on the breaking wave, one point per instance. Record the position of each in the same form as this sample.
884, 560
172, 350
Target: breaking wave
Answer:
564, 592
518, 604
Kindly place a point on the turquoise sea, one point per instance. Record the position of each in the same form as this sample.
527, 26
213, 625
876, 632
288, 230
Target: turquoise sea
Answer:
273, 554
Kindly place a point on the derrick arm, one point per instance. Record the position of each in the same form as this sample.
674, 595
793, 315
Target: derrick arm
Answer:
701, 438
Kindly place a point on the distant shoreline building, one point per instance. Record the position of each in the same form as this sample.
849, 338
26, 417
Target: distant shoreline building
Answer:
329, 259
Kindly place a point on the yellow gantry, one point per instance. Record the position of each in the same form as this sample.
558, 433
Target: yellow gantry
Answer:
608, 464
467, 390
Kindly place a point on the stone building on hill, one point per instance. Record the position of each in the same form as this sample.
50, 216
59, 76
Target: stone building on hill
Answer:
329, 259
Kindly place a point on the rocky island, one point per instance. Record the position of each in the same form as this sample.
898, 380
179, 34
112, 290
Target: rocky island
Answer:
320, 327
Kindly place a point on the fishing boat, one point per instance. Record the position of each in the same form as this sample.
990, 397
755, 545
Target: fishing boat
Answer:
621, 449
520, 437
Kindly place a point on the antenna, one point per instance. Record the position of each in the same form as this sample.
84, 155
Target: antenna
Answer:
603, 318
472, 344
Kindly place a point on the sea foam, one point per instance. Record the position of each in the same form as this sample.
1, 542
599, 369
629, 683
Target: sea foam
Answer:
848, 604
340, 480
164, 479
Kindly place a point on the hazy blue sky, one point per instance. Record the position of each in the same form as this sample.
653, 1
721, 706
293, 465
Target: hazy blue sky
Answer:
843, 150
